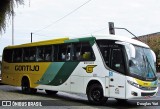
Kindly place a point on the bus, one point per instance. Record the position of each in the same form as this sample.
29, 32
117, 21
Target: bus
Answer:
101, 67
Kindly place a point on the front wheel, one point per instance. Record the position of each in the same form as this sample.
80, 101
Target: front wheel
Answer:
121, 100
95, 94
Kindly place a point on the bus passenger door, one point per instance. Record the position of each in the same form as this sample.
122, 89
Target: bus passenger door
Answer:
117, 74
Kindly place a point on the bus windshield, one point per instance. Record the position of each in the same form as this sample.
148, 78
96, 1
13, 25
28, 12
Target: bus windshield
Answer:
143, 64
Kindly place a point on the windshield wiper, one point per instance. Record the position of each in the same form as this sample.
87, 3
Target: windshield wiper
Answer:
150, 65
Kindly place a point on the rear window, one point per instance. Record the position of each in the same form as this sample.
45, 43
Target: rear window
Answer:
7, 55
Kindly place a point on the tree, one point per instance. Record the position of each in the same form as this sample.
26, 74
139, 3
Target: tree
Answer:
6, 11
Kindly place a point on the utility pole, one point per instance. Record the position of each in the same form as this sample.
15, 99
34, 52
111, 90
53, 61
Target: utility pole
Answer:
31, 37
12, 24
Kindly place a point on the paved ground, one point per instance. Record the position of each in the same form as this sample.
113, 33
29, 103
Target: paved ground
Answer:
65, 100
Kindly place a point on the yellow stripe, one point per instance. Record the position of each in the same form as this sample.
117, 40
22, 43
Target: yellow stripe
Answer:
144, 83
48, 42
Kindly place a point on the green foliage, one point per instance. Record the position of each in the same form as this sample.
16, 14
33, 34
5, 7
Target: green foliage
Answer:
6, 10
154, 43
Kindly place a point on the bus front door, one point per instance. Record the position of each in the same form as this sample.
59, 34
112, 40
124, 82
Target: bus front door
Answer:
117, 74
117, 85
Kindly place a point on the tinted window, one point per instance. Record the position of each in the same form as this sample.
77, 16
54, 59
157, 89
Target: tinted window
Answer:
64, 52
105, 50
17, 55
55, 52
7, 55
26, 54
112, 54
117, 62
83, 52
32, 54
29, 54
40, 54
48, 53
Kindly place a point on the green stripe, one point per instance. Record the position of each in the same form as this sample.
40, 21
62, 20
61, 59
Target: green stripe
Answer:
71, 40
64, 73
57, 73
90, 39
51, 72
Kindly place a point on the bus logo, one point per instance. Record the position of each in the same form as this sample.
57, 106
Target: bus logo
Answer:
145, 84
89, 68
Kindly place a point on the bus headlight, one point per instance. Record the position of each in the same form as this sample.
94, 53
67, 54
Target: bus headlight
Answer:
133, 83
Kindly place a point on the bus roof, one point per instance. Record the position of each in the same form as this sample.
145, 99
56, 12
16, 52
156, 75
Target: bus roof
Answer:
121, 38
89, 38
46, 42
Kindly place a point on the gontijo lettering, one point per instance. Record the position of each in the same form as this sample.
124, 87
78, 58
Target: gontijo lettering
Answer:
27, 68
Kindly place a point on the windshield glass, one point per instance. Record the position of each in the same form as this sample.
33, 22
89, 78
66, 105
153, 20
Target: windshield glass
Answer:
143, 64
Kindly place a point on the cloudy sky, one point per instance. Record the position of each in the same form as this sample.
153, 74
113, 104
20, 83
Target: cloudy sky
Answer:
38, 16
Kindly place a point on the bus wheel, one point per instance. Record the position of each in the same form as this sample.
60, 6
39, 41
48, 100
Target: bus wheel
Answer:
33, 90
95, 94
50, 92
25, 86
121, 100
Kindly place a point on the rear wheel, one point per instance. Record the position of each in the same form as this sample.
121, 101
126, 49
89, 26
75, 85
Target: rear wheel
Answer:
50, 92
25, 85
95, 94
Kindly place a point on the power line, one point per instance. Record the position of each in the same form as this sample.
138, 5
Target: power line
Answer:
41, 35
89, 33
94, 31
62, 17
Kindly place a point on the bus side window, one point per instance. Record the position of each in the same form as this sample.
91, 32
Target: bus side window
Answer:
17, 55
64, 52
48, 53
26, 54
117, 61
7, 55
83, 52
55, 52
77, 51
32, 54
40, 54
87, 52
105, 50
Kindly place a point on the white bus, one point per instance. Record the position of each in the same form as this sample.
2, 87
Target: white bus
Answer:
99, 66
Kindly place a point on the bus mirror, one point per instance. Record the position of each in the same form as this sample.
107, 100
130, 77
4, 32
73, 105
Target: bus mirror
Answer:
154, 56
133, 51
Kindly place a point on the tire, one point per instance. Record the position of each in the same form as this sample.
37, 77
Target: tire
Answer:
95, 94
25, 85
50, 92
33, 90
121, 100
